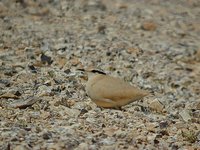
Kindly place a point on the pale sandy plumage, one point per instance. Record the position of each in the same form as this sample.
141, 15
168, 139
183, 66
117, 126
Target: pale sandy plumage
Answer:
111, 92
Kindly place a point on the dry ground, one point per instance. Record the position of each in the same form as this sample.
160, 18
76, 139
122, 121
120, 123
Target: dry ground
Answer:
154, 45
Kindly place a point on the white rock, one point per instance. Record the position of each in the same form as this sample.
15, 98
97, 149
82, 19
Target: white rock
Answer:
151, 137
68, 111
185, 115
120, 134
19, 147
107, 141
43, 91
82, 146
156, 105
90, 120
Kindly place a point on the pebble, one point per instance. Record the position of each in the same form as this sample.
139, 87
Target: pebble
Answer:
44, 90
82, 146
120, 134
107, 141
74, 113
149, 26
20, 147
185, 115
156, 105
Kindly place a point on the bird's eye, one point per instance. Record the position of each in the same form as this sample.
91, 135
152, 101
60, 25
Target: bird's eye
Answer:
98, 71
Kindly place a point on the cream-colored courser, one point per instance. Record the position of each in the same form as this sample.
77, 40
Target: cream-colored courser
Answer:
111, 92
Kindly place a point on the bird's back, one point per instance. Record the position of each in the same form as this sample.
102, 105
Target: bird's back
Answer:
115, 89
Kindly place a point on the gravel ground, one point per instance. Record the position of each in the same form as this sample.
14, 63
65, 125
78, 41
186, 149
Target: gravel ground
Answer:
154, 45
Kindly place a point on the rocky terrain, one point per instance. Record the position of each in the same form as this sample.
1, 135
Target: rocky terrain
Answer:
154, 45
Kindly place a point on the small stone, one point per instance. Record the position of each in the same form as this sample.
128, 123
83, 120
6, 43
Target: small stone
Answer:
151, 137
74, 113
151, 127
75, 61
90, 120
149, 26
120, 134
24, 103
198, 55
108, 141
17, 93
67, 71
110, 131
46, 59
163, 124
82, 146
134, 51
109, 147
198, 105
55, 146
3, 8
174, 147
20, 147
101, 29
156, 105
43, 91
4, 82
44, 114
32, 68
9, 95
61, 46
185, 115
47, 135
94, 5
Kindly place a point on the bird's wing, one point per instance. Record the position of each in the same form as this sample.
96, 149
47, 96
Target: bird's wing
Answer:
114, 88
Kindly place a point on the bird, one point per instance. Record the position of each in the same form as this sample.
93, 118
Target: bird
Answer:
111, 92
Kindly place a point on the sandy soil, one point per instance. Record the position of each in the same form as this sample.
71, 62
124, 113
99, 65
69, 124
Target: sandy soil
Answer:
154, 45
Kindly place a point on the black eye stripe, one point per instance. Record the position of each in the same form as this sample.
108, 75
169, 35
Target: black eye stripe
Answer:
98, 71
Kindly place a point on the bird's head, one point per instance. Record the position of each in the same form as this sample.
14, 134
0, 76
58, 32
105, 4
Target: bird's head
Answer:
92, 72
